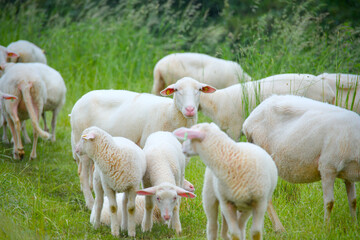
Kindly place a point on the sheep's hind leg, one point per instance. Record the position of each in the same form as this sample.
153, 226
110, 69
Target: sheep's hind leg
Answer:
351, 194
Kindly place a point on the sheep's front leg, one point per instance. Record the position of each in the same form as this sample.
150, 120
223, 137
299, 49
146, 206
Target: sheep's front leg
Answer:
84, 168
175, 220
111, 194
351, 194
224, 228
147, 222
258, 220
242, 220
25, 133
99, 200
229, 211
124, 212
131, 212
327, 180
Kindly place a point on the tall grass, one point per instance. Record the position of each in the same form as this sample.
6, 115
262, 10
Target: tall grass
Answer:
102, 47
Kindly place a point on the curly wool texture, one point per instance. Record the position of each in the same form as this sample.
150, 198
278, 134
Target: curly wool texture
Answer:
227, 107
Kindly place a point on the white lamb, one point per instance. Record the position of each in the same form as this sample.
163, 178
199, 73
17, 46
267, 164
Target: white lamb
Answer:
163, 179
309, 141
229, 107
239, 176
140, 208
134, 116
25, 83
26, 51
346, 87
204, 68
119, 167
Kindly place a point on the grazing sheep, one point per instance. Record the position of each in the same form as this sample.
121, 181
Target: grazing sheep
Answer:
163, 179
206, 69
134, 116
25, 83
228, 107
309, 141
26, 52
346, 87
239, 176
119, 167
140, 208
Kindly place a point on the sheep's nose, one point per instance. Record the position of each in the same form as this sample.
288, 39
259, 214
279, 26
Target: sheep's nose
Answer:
166, 217
190, 111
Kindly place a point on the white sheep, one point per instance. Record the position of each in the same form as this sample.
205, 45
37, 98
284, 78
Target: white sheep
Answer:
239, 176
5, 54
25, 83
213, 71
134, 116
3, 123
55, 89
346, 87
119, 167
140, 208
26, 52
229, 107
309, 141
163, 179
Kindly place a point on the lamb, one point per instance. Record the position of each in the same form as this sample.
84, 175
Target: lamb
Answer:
56, 92
26, 52
239, 176
309, 141
140, 208
24, 82
134, 116
209, 70
163, 177
228, 107
346, 87
119, 167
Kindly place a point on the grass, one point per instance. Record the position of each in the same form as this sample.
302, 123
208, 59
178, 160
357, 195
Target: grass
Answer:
117, 48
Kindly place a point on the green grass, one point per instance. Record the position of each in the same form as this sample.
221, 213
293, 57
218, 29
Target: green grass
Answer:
41, 199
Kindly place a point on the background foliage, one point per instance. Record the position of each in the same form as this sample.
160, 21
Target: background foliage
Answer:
115, 44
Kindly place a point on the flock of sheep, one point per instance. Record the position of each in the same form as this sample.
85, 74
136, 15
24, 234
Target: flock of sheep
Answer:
134, 155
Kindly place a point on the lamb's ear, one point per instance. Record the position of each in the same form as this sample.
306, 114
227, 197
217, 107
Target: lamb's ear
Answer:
207, 89
183, 193
188, 133
147, 191
180, 132
168, 91
8, 97
12, 55
89, 136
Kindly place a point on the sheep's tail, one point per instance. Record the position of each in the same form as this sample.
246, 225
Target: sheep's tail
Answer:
25, 90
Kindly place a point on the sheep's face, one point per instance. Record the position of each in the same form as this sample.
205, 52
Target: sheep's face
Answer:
188, 149
187, 95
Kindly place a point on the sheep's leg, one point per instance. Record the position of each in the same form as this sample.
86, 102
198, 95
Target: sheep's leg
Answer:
131, 212
229, 211
13, 132
327, 180
84, 180
242, 220
351, 194
224, 228
53, 123
258, 220
211, 208
33, 150
91, 173
15, 127
45, 125
25, 133
147, 222
175, 220
99, 200
277, 225
124, 212
5, 138
111, 194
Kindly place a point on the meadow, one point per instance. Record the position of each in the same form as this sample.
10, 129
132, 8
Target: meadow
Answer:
116, 47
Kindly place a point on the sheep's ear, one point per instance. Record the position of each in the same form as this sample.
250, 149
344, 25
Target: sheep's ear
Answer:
188, 186
89, 136
183, 193
147, 191
8, 97
188, 133
168, 91
207, 89
12, 55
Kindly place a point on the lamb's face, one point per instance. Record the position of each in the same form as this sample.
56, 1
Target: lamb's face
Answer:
187, 95
166, 199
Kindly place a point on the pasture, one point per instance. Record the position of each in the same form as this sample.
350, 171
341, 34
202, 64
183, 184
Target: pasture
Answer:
106, 47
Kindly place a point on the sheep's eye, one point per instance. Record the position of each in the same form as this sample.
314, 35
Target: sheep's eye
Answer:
174, 198
158, 198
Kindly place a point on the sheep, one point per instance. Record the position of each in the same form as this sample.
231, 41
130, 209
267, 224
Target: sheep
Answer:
24, 82
56, 92
309, 141
134, 116
5, 54
2, 120
119, 167
228, 107
162, 180
26, 52
209, 70
239, 176
140, 208
346, 87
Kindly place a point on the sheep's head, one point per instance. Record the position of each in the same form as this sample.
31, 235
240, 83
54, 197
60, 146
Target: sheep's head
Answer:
166, 196
187, 95
88, 136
